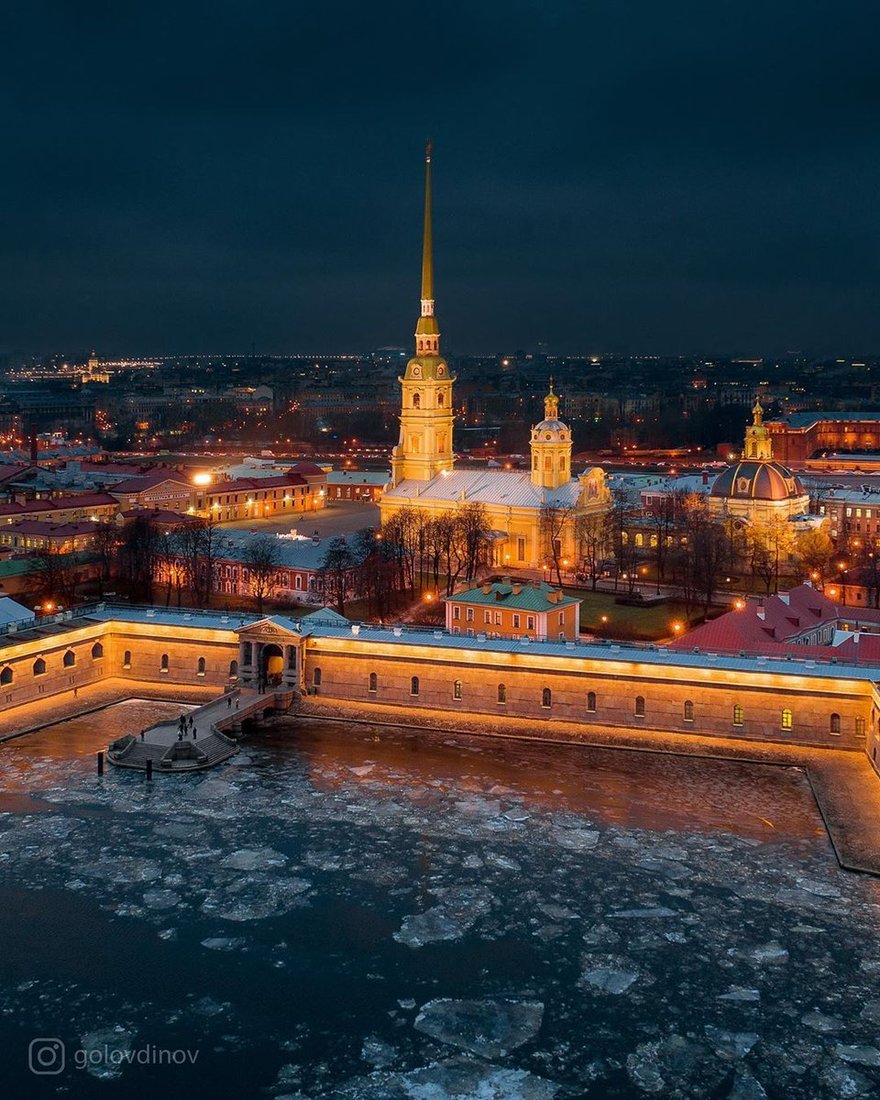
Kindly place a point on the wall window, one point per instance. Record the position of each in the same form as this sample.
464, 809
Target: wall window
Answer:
456, 689
414, 685
163, 663
860, 724
69, 659
6, 675
516, 622
233, 670
591, 702
126, 659
201, 666
498, 618
546, 698
456, 612
640, 706
737, 715
487, 618
835, 723
374, 682
520, 549
316, 677
787, 718
97, 651
247, 650
562, 618
468, 614
688, 710
502, 693
530, 622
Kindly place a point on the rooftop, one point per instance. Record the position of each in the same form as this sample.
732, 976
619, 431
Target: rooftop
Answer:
803, 420
509, 487
538, 596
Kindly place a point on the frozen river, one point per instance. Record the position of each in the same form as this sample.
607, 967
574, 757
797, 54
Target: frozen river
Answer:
373, 914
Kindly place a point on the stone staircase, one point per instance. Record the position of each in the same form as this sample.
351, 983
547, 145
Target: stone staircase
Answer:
181, 756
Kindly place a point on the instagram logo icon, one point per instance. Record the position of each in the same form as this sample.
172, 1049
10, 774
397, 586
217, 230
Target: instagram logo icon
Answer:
46, 1056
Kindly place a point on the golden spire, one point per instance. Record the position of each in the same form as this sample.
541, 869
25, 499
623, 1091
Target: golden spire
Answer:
427, 251
427, 332
758, 412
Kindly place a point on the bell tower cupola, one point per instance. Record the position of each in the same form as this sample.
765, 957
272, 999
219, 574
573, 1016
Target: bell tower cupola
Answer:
759, 446
551, 447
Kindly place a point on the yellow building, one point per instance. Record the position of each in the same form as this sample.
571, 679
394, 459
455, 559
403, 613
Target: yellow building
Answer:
526, 510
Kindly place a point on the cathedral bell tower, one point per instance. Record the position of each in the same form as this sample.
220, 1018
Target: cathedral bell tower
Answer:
425, 445
759, 446
551, 447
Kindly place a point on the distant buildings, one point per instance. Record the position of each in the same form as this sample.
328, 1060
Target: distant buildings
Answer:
799, 436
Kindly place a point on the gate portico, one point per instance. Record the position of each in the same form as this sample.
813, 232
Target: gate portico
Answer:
269, 653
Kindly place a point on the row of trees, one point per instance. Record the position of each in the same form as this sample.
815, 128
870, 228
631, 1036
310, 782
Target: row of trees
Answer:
411, 553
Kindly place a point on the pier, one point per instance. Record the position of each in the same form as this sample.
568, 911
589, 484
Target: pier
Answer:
217, 725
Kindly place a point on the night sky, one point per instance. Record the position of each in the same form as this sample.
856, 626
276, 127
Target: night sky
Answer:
610, 175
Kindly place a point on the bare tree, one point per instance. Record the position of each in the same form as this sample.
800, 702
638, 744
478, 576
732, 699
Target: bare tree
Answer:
815, 551
138, 558
554, 520
335, 574
261, 558
592, 533
105, 542
52, 577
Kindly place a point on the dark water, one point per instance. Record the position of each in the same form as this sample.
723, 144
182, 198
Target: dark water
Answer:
372, 913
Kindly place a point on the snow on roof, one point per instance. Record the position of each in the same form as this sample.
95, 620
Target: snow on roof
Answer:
12, 612
512, 488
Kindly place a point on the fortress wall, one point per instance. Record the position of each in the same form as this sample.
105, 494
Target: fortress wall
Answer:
345, 666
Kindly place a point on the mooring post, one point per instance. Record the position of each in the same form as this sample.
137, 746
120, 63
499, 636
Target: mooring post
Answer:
149, 767
100, 763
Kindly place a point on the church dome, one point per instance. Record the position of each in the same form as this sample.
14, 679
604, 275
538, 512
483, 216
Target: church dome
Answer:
556, 428
757, 481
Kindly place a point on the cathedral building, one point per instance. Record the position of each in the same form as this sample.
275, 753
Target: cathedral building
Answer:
524, 509
758, 489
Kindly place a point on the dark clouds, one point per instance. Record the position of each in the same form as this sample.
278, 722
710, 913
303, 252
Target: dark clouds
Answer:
609, 175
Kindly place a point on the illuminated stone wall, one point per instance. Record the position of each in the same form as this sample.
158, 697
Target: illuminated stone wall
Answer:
146, 642
345, 667
450, 679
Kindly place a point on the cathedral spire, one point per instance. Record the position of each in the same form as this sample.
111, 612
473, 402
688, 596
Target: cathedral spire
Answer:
427, 331
427, 244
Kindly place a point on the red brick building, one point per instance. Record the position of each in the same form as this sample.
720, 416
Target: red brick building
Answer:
799, 436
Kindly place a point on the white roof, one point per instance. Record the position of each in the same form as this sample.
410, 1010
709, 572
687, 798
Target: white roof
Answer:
357, 477
511, 488
12, 612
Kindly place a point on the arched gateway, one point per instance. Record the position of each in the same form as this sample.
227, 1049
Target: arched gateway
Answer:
269, 653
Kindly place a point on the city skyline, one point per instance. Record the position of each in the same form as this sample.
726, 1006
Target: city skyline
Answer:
608, 181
